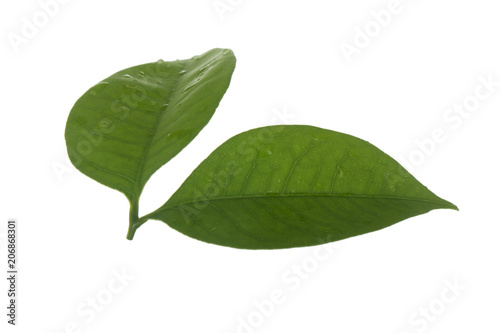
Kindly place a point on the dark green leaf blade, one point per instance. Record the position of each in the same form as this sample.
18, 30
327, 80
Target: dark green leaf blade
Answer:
126, 127
290, 186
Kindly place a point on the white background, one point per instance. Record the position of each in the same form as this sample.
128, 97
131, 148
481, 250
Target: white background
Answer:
394, 92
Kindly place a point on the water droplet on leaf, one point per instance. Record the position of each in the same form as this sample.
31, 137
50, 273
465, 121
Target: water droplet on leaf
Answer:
190, 86
105, 124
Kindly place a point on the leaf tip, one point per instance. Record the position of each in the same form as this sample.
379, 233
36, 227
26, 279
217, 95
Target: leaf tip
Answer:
449, 205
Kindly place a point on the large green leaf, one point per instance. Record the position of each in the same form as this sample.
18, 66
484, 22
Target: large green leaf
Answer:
127, 126
289, 186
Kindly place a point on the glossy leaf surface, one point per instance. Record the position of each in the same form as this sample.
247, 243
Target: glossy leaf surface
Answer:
126, 127
290, 186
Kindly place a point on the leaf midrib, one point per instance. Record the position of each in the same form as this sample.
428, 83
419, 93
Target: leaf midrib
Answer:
137, 187
306, 196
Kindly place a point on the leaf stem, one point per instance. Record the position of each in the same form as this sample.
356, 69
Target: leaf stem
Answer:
134, 221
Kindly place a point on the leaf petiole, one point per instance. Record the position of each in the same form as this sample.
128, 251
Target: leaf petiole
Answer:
134, 221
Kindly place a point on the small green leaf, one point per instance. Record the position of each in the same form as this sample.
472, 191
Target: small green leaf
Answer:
129, 125
290, 186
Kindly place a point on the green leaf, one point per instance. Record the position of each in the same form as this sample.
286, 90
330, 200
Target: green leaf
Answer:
127, 126
290, 186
